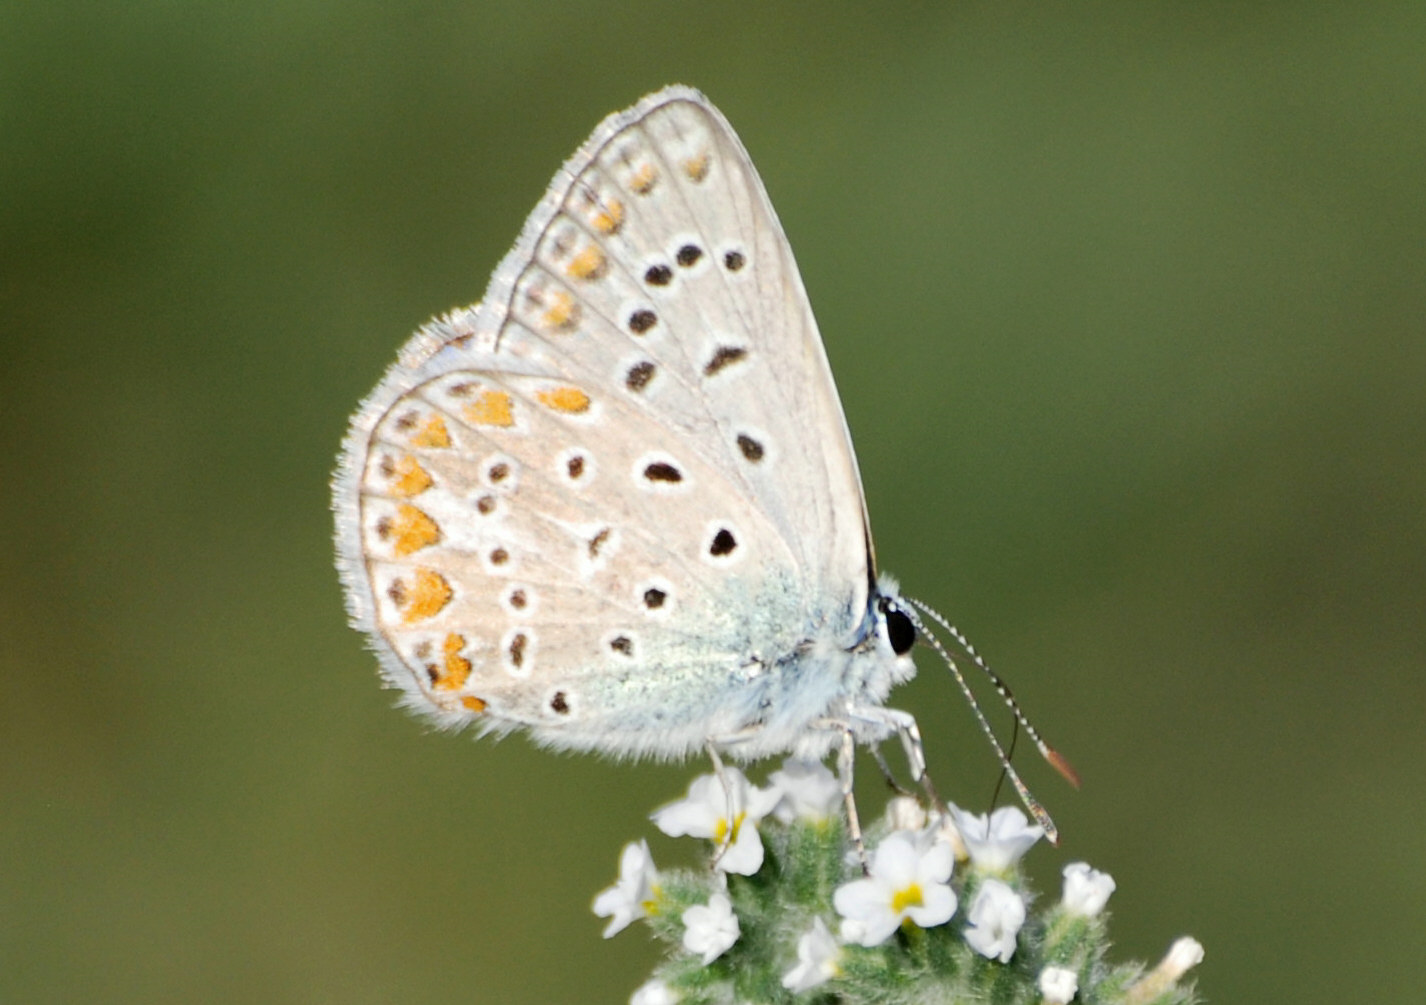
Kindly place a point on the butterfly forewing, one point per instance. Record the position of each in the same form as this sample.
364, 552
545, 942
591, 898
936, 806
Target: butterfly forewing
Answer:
597, 501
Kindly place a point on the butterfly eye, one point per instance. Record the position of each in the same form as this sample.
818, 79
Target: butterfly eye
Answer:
900, 632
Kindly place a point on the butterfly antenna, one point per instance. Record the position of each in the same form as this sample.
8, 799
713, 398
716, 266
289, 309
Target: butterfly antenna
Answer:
1009, 756
1056, 759
1042, 817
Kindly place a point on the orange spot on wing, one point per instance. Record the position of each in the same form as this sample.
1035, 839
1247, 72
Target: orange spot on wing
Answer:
433, 433
425, 596
492, 408
564, 399
587, 264
643, 179
609, 218
457, 668
413, 530
563, 312
410, 479
697, 167
473, 703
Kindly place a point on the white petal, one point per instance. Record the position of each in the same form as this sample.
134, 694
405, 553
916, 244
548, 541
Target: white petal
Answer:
710, 930
895, 861
904, 813
653, 993
854, 931
1185, 954
935, 864
745, 855
998, 841
623, 903
938, 906
806, 790
758, 803
696, 816
995, 917
1086, 890
817, 954
1058, 985
860, 898
873, 930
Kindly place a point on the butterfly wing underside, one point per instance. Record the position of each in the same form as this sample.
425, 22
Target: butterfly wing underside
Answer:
621, 487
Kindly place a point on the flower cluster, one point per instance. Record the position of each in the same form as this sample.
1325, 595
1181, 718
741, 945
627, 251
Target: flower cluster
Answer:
941, 911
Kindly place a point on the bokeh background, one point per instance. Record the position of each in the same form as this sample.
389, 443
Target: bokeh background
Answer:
1126, 305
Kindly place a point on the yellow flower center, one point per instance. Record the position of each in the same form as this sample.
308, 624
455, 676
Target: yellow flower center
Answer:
907, 897
720, 833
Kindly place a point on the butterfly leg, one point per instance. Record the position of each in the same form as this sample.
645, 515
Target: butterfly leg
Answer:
846, 758
916, 754
891, 781
904, 725
730, 812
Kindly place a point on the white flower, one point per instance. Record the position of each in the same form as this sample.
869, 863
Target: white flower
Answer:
1058, 985
1086, 890
728, 815
942, 828
653, 993
905, 882
995, 917
817, 953
1185, 954
710, 930
632, 894
996, 843
904, 813
807, 790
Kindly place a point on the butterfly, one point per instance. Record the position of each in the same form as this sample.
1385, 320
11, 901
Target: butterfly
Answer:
615, 503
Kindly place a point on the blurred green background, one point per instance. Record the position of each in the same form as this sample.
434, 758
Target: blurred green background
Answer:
1126, 305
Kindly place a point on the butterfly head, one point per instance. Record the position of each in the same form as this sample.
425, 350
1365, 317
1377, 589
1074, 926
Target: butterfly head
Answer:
882, 657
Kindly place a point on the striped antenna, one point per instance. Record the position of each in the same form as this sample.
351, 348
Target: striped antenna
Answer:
1042, 817
1049, 753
